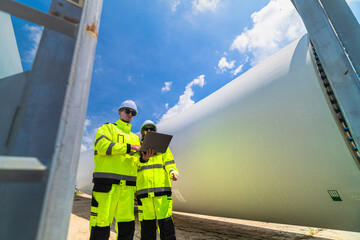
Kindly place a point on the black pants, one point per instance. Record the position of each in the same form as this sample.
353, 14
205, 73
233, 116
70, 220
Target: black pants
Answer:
125, 231
167, 229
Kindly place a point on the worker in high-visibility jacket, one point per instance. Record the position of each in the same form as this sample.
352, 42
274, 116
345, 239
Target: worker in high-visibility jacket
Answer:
114, 176
153, 191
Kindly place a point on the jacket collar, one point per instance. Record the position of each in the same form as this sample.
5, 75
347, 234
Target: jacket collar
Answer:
125, 127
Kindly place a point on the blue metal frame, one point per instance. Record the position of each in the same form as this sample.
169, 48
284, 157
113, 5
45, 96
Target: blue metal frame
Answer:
44, 125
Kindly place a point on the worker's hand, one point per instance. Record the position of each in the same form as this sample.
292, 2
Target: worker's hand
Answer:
148, 154
135, 147
174, 176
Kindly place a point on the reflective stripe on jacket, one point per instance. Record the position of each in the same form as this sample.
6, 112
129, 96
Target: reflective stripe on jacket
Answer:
114, 160
153, 177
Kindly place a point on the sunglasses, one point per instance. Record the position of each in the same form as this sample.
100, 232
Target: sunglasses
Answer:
128, 111
149, 129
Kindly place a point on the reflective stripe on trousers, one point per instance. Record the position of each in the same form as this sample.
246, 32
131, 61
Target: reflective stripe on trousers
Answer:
153, 190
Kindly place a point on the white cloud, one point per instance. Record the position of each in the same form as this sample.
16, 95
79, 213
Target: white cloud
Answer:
167, 87
88, 136
167, 105
129, 79
204, 5
98, 70
275, 26
185, 100
156, 115
98, 64
35, 33
174, 4
224, 65
238, 69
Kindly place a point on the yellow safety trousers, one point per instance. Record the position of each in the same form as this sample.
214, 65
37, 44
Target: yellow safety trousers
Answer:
118, 202
159, 207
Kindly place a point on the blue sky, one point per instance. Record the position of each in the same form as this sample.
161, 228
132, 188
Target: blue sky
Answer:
166, 55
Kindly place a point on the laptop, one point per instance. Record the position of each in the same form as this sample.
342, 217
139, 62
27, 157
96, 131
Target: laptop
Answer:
157, 141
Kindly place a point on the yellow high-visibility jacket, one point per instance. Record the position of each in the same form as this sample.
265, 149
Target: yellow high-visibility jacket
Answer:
115, 163
153, 177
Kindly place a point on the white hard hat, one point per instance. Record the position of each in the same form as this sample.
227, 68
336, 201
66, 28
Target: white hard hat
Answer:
146, 123
128, 104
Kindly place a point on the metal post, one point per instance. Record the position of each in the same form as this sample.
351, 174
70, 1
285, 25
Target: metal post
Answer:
60, 188
327, 41
347, 28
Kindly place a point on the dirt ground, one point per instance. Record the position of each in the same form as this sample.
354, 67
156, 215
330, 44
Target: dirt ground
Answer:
193, 226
